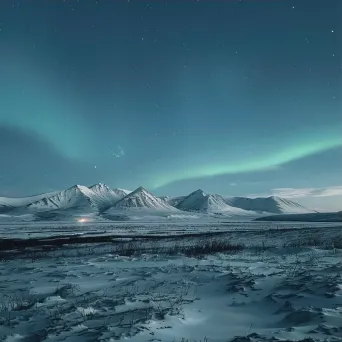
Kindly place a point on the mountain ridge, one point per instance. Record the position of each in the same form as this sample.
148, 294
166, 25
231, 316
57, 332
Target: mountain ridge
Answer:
141, 198
99, 197
270, 204
199, 201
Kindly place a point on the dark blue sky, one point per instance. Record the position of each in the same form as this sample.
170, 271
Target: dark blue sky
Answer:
236, 97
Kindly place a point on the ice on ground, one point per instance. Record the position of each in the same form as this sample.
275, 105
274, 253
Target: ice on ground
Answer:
147, 223
278, 287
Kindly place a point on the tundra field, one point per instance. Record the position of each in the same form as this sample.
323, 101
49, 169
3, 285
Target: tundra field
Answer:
227, 281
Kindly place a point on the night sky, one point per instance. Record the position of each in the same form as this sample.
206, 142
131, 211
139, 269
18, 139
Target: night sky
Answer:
234, 97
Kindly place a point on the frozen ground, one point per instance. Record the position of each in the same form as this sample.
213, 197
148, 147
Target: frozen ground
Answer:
173, 227
238, 281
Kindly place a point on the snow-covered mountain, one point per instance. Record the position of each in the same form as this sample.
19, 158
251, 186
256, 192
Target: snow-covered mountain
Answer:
7, 204
97, 197
208, 203
141, 198
273, 204
121, 192
76, 197
100, 198
104, 197
193, 202
172, 200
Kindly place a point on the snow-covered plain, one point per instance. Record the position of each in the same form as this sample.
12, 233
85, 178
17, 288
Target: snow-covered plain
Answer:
177, 226
210, 281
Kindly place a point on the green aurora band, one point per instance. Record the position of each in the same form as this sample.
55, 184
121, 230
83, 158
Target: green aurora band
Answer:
30, 103
261, 162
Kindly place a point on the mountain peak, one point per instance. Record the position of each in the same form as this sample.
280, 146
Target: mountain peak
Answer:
274, 197
99, 197
198, 192
141, 198
139, 189
199, 201
77, 196
99, 186
271, 204
77, 187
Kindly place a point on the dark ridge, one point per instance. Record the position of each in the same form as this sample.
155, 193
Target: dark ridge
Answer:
62, 240
311, 217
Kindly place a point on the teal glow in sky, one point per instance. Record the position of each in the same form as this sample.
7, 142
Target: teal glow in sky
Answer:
170, 95
262, 160
32, 103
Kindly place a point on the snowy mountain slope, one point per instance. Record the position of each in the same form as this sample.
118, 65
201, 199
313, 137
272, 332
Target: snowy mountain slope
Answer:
208, 203
97, 197
121, 192
193, 202
273, 204
7, 203
104, 197
76, 197
172, 200
141, 198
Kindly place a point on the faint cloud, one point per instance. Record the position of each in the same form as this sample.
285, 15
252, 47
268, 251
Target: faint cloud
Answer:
302, 192
308, 192
259, 195
233, 184
292, 192
332, 191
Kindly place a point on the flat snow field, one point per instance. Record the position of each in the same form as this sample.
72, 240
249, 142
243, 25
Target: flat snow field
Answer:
266, 283
177, 227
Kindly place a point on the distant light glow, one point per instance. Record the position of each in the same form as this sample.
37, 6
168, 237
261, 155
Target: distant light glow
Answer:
82, 220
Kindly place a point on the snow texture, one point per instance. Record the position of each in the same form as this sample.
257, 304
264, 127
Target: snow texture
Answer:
141, 198
284, 285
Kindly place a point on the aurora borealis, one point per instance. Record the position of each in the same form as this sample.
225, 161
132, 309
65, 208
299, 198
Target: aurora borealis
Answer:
262, 162
172, 95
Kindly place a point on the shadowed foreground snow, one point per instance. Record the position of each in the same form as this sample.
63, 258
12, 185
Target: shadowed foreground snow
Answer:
91, 293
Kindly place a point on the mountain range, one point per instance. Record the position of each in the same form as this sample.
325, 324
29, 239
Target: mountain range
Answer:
101, 199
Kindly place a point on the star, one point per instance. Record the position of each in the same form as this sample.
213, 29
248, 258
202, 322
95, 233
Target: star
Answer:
118, 152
